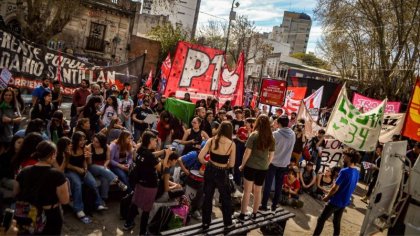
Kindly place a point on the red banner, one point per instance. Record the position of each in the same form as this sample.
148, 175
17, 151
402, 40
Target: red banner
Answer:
273, 92
297, 93
367, 104
411, 127
198, 70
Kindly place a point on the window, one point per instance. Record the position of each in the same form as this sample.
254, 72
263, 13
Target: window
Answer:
95, 41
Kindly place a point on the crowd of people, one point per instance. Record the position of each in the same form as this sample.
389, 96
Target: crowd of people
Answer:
108, 142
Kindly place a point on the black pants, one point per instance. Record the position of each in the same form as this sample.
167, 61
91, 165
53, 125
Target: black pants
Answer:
240, 149
326, 213
54, 222
215, 177
274, 174
372, 184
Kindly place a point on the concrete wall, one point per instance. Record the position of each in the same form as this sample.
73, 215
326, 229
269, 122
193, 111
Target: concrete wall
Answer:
138, 47
143, 23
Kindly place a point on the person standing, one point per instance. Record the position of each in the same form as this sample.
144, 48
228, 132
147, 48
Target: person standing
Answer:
79, 101
139, 114
339, 195
258, 155
38, 92
126, 108
222, 157
284, 138
57, 95
375, 173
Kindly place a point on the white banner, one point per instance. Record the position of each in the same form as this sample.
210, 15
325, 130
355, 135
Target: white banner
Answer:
313, 103
332, 154
311, 127
355, 129
392, 125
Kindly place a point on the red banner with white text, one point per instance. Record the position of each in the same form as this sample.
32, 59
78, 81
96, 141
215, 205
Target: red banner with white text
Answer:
200, 71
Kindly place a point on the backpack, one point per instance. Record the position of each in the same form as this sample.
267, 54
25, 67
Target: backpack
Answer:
160, 220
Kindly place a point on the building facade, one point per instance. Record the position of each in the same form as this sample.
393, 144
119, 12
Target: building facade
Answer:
183, 13
294, 30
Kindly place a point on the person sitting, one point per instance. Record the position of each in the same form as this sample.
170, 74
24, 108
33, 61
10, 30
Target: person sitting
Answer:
34, 126
98, 162
77, 172
308, 178
83, 125
193, 137
6, 173
290, 189
167, 188
113, 131
24, 156
57, 127
43, 108
122, 156
324, 182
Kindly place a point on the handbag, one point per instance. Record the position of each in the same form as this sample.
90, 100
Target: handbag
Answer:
30, 219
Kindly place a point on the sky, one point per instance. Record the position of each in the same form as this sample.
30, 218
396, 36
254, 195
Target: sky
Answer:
265, 14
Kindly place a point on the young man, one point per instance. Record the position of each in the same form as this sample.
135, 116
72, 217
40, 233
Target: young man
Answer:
56, 95
339, 195
317, 144
139, 114
39, 91
237, 122
284, 139
375, 173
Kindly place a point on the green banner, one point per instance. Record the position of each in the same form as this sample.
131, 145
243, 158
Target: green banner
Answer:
180, 109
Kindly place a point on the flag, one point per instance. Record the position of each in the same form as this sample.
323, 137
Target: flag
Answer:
391, 126
227, 81
311, 127
411, 127
149, 81
165, 71
313, 102
355, 129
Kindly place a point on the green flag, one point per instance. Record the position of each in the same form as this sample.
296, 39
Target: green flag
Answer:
180, 109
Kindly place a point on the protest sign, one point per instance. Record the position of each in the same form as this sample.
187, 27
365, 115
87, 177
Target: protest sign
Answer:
201, 71
180, 109
411, 128
5, 77
313, 103
332, 154
355, 129
367, 104
311, 127
28, 61
273, 92
391, 126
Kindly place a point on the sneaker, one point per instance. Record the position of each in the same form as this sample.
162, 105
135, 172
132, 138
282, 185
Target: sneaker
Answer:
228, 228
122, 186
82, 217
205, 226
273, 208
241, 217
128, 226
263, 208
253, 216
101, 208
197, 215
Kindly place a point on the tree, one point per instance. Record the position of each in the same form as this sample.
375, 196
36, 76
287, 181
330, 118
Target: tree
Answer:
374, 41
168, 36
40, 20
310, 60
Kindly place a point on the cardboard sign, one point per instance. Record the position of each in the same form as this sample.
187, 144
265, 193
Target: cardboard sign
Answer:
5, 77
273, 92
332, 154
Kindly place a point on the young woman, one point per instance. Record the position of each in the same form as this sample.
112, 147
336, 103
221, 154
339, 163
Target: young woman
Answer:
290, 189
222, 157
110, 110
57, 127
324, 182
83, 125
241, 138
44, 187
91, 112
9, 116
147, 187
113, 131
43, 108
126, 108
78, 174
64, 148
98, 161
207, 122
193, 137
6, 173
24, 156
121, 155
258, 155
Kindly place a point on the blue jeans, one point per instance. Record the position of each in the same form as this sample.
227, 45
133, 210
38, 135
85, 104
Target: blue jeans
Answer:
276, 174
122, 176
105, 176
76, 182
137, 134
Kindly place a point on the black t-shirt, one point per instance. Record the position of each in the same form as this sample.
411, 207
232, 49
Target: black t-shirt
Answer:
38, 185
236, 124
147, 174
141, 114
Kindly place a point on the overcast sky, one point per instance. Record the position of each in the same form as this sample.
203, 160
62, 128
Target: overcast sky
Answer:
265, 14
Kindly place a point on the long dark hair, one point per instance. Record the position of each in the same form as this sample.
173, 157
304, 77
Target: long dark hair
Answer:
124, 147
62, 145
114, 103
226, 130
13, 102
102, 141
146, 138
44, 150
34, 126
265, 137
90, 106
75, 140
11, 150
28, 147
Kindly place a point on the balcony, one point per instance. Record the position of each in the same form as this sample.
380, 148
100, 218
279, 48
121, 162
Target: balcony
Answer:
95, 44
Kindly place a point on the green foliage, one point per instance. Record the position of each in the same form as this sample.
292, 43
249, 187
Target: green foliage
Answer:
168, 36
310, 60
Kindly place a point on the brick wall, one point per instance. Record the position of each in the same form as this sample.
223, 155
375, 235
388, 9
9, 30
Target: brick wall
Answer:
138, 46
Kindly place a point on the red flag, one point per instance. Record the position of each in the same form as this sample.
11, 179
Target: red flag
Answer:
228, 78
165, 73
412, 119
149, 81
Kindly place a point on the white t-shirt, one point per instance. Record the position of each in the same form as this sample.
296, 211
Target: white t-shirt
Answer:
108, 115
125, 106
